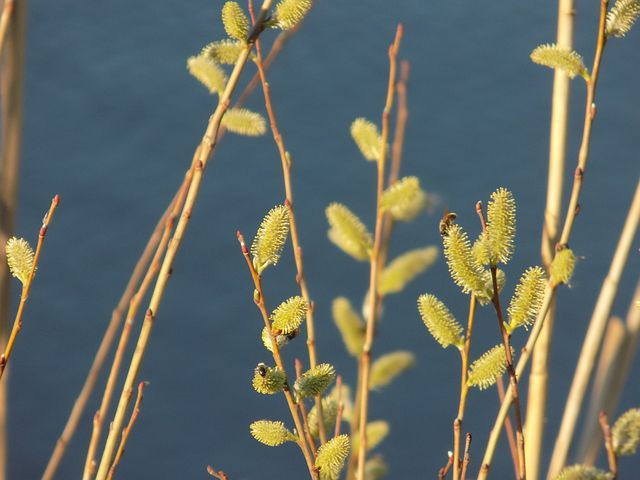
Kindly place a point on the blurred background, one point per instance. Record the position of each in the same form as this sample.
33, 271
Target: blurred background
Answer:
112, 118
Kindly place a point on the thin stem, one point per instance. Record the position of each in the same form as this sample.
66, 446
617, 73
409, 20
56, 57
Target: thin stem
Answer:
442, 473
26, 287
572, 211
7, 10
220, 475
513, 381
538, 378
467, 459
508, 428
127, 431
208, 144
608, 444
303, 411
293, 407
340, 406
285, 161
374, 261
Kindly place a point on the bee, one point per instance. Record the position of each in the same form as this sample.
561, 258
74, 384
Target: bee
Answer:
448, 219
261, 369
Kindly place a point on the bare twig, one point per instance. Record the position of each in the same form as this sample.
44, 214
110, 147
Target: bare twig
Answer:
508, 428
208, 144
220, 475
7, 10
26, 287
467, 459
127, 430
340, 406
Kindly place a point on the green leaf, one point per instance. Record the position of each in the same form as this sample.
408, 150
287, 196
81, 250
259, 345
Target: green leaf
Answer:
289, 315
527, 299
288, 13
235, 21
271, 433
267, 380
440, 322
501, 226
224, 52
388, 367
348, 232
270, 238
331, 456
350, 325
314, 381
562, 266
401, 198
403, 269
244, 122
19, 258
561, 58
622, 17
465, 270
626, 433
367, 138
582, 472
207, 72
485, 371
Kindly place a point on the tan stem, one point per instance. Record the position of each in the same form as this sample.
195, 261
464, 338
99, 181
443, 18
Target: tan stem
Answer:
538, 379
374, 263
207, 146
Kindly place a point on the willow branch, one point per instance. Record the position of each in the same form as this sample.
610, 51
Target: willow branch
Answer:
374, 261
538, 378
572, 211
293, 407
207, 145
7, 10
26, 287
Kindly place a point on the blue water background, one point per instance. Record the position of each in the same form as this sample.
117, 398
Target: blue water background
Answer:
112, 118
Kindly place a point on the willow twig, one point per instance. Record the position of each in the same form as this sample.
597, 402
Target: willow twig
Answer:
374, 260
340, 405
608, 443
220, 475
207, 145
467, 459
26, 287
7, 10
285, 161
538, 378
572, 211
127, 431
508, 428
293, 407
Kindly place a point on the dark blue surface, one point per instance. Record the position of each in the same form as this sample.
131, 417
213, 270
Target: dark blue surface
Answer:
112, 118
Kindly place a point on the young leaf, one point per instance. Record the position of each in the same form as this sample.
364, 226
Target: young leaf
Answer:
626, 433
527, 299
348, 232
331, 456
19, 258
244, 122
501, 226
367, 138
207, 72
562, 266
465, 270
404, 269
565, 59
235, 21
271, 433
329, 416
376, 432
288, 13
289, 315
582, 472
401, 196
351, 326
224, 52
375, 468
270, 238
281, 340
389, 366
621, 17
440, 322
488, 368
267, 380
314, 381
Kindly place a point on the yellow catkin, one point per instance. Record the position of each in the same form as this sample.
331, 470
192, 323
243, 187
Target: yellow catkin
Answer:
235, 21
621, 17
440, 322
626, 433
484, 372
348, 232
388, 367
367, 138
552, 56
271, 433
19, 258
270, 238
207, 72
288, 13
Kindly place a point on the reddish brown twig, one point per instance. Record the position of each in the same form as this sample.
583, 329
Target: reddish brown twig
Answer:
220, 475
608, 444
466, 460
